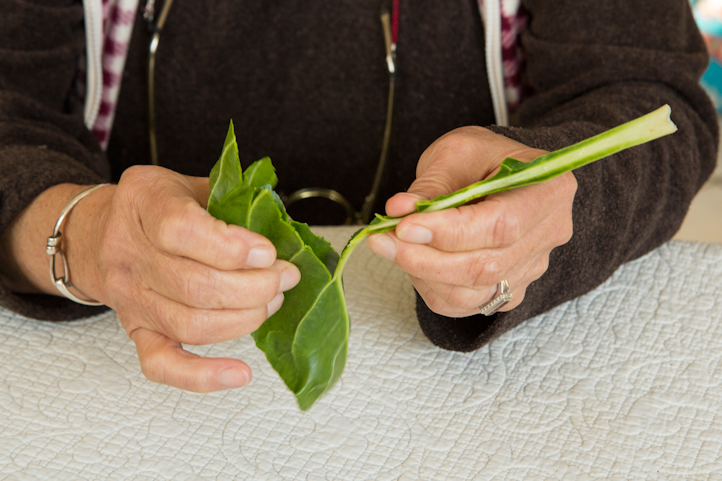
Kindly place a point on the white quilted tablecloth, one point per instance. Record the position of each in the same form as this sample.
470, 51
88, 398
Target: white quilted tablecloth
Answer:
623, 383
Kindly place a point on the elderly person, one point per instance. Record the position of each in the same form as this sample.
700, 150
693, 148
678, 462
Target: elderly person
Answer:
307, 85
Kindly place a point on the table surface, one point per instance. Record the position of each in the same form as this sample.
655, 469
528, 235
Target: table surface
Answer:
622, 383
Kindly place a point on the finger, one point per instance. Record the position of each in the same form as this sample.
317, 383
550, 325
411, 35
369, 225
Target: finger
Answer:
457, 301
185, 229
403, 203
437, 303
473, 269
494, 223
457, 159
467, 299
499, 221
200, 188
444, 176
463, 299
175, 222
201, 326
198, 285
164, 361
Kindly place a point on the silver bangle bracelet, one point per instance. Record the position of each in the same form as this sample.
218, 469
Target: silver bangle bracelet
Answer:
54, 248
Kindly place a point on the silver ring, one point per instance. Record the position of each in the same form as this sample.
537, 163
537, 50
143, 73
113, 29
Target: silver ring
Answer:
502, 298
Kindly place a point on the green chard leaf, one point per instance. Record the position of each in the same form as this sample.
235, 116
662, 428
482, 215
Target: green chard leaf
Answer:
260, 173
306, 341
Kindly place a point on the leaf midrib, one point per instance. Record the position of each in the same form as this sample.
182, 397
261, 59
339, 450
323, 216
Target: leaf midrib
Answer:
303, 319
221, 170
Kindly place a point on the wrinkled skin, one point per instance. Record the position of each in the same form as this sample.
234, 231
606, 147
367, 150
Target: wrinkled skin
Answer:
174, 274
456, 257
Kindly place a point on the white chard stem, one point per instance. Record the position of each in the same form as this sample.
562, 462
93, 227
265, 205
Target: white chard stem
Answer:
515, 174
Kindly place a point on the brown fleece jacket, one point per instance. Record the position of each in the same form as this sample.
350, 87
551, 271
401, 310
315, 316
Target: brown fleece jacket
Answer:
306, 84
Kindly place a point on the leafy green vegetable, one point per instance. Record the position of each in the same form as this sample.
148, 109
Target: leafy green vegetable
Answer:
306, 341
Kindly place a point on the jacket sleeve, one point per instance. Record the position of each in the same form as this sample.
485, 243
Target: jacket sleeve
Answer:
594, 65
43, 140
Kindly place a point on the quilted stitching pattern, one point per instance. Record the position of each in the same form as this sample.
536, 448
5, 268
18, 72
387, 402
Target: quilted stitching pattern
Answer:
623, 383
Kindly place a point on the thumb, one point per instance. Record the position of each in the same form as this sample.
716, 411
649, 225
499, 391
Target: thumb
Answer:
199, 188
403, 203
439, 179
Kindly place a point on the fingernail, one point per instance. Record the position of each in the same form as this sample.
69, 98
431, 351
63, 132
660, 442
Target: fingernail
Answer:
289, 278
260, 257
275, 304
384, 246
415, 234
233, 377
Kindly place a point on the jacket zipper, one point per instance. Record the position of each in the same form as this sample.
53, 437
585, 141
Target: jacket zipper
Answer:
93, 10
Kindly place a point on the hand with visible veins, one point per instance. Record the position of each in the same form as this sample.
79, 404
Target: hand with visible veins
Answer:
456, 257
173, 273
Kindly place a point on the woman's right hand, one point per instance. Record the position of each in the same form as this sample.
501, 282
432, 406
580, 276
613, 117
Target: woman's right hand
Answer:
174, 274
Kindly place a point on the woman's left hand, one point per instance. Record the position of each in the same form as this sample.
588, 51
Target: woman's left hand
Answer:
456, 257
